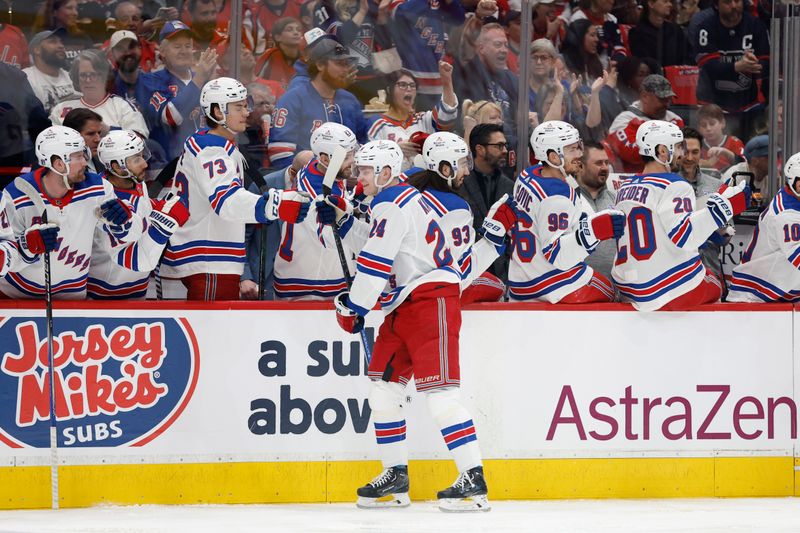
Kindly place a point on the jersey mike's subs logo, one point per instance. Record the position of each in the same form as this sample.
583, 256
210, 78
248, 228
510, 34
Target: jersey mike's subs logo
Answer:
117, 381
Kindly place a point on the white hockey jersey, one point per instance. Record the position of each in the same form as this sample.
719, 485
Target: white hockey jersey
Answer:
307, 264
441, 118
209, 181
70, 261
117, 113
8, 244
121, 271
455, 219
770, 267
547, 262
657, 256
405, 248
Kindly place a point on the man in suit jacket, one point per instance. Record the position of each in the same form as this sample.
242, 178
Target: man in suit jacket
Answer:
486, 183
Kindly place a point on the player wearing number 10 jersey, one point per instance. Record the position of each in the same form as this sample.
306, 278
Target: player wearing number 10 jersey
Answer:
551, 243
207, 254
658, 265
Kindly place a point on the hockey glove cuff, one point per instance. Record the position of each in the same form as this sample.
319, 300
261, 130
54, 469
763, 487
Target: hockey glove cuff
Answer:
39, 238
289, 206
348, 320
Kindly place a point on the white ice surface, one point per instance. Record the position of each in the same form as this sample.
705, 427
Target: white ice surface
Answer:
618, 516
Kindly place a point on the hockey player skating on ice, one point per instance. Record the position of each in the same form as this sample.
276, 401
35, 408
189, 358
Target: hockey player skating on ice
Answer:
770, 267
406, 263
307, 263
658, 265
76, 202
123, 271
447, 158
208, 253
551, 243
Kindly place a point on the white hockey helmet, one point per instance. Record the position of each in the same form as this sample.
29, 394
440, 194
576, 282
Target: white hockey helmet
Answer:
378, 155
61, 142
221, 91
117, 147
330, 135
445, 147
553, 135
657, 132
791, 171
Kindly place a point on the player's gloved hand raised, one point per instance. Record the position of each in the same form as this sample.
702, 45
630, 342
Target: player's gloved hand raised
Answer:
328, 206
117, 216
169, 214
606, 224
499, 220
289, 206
729, 202
348, 320
40, 238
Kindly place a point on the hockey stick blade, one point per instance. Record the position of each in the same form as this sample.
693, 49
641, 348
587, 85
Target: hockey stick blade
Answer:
334, 166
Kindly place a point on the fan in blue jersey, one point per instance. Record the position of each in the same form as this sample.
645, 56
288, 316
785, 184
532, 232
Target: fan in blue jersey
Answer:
406, 263
770, 267
552, 241
121, 271
658, 265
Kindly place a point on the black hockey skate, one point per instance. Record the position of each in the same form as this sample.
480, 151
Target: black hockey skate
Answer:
468, 493
392, 483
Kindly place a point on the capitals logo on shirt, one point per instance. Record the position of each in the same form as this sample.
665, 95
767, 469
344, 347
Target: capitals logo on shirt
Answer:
118, 381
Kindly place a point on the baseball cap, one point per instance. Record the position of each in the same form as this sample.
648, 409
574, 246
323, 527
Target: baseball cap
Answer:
37, 39
173, 28
122, 35
323, 45
758, 146
658, 85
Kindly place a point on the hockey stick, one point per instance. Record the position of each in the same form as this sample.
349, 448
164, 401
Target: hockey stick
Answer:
28, 190
334, 165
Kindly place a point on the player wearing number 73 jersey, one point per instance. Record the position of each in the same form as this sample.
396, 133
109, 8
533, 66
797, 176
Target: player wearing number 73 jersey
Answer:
208, 252
658, 265
770, 267
554, 236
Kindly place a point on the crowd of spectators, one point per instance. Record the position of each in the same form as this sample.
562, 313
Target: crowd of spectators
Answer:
394, 68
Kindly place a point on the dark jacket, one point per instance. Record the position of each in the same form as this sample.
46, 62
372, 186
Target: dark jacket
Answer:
475, 82
473, 193
668, 44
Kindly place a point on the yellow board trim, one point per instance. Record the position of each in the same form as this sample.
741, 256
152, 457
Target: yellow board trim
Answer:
336, 481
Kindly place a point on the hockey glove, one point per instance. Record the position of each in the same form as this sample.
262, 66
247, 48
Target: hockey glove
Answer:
330, 207
289, 206
499, 220
39, 238
348, 320
728, 202
169, 214
117, 216
606, 224
360, 200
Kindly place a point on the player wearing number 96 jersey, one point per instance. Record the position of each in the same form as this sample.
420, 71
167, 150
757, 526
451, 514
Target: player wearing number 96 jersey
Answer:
208, 253
405, 259
770, 267
553, 236
658, 265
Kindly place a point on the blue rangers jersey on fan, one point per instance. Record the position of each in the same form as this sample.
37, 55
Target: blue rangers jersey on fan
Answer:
657, 255
121, 271
547, 262
770, 267
455, 219
170, 107
307, 263
76, 216
403, 248
209, 179
302, 110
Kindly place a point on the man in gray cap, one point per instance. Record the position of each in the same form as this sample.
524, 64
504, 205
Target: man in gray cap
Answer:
315, 99
50, 82
756, 155
655, 97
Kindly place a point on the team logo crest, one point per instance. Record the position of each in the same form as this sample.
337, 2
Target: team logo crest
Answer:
118, 381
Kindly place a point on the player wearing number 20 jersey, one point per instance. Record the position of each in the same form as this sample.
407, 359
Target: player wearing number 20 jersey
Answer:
658, 265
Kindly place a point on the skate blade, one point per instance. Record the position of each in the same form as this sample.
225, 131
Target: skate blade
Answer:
466, 505
387, 502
